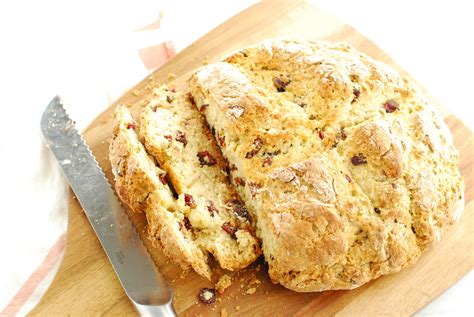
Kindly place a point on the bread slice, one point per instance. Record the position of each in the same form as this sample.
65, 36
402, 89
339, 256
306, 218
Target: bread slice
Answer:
174, 132
141, 185
349, 171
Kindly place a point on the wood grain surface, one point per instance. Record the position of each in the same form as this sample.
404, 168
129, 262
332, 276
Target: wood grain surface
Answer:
87, 285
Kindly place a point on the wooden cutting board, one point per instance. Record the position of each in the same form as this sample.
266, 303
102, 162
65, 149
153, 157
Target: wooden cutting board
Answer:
86, 285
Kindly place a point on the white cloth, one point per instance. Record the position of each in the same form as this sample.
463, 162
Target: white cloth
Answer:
86, 51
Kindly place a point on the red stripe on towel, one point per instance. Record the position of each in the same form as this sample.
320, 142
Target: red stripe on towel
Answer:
36, 278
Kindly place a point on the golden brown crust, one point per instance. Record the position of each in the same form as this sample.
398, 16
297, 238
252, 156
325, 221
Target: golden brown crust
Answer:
350, 172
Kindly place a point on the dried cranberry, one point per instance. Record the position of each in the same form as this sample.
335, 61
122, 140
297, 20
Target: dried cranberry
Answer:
356, 91
238, 207
343, 134
321, 134
212, 208
280, 84
163, 179
241, 211
349, 179
181, 137
267, 161
187, 223
256, 146
168, 137
206, 158
358, 159
207, 295
189, 201
227, 227
154, 108
169, 99
131, 126
240, 181
203, 107
191, 98
390, 106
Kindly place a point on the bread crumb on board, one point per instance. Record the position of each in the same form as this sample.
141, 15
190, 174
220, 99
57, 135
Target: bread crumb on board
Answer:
251, 291
223, 283
224, 312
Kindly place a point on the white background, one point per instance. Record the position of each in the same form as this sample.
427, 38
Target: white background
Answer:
86, 51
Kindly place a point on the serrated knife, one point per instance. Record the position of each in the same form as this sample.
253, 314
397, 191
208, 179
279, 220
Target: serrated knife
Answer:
143, 284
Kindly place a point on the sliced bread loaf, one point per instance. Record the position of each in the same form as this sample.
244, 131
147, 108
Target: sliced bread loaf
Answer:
142, 186
174, 132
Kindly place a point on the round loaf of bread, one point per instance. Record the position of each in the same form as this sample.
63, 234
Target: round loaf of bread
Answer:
347, 168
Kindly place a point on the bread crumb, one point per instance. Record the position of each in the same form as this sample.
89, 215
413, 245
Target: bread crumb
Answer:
237, 308
224, 282
224, 312
251, 291
135, 92
171, 76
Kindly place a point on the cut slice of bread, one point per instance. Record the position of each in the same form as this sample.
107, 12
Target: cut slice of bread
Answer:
175, 133
141, 185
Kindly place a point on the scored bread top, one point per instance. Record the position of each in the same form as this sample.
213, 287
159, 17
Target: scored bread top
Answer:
349, 171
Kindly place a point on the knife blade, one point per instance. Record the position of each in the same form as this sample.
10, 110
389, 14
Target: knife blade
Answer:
145, 287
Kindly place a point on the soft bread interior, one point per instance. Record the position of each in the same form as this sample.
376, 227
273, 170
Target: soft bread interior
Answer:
138, 182
174, 132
